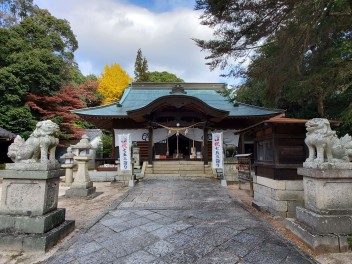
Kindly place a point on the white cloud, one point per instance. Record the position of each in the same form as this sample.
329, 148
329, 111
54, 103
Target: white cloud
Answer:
112, 31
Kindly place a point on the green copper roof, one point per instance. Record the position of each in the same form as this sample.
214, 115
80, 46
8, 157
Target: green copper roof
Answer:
141, 94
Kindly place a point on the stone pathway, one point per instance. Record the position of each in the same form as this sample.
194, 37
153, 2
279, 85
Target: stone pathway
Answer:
179, 220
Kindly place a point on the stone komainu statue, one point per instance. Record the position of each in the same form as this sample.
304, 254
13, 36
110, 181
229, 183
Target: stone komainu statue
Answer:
324, 145
41, 143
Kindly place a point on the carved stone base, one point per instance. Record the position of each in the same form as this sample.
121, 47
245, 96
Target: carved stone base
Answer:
231, 172
29, 218
327, 191
29, 192
35, 242
80, 192
320, 243
325, 224
126, 179
31, 224
328, 165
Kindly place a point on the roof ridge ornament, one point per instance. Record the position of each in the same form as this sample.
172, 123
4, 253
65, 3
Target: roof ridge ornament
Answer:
178, 89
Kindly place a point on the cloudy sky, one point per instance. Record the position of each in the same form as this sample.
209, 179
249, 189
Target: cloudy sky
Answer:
111, 31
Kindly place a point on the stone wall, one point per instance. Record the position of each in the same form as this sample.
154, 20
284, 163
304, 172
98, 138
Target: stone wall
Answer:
279, 197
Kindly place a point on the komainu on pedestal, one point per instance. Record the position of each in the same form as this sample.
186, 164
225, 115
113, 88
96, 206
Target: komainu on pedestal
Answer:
29, 217
325, 221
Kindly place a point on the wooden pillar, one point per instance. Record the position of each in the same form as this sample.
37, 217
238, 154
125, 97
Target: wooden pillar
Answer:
150, 145
205, 147
113, 145
241, 144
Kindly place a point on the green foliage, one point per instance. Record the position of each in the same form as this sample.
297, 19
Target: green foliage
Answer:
243, 26
300, 53
140, 68
105, 147
36, 58
18, 120
38, 51
250, 94
163, 77
143, 75
349, 242
2, 166
340, 107
84, 124
91, 77
13, 11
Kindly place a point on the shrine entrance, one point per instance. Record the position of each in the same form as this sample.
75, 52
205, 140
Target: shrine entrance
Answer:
177, 113
184, 147
177, 147
180, 146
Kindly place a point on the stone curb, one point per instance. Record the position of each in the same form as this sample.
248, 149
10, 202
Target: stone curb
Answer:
308, 257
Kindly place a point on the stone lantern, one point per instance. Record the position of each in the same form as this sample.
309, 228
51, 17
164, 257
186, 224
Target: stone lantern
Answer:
82, 186
68, 166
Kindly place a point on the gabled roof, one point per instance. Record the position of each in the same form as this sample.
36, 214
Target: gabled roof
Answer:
139, 95
93, 133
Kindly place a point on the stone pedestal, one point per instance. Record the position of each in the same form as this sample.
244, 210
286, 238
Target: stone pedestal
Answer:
68, 173
126, 177
136, 158
29, 217
325, 222
231, 172
82, 186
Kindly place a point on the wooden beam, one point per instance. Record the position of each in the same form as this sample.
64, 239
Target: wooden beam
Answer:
205, 147
150, 145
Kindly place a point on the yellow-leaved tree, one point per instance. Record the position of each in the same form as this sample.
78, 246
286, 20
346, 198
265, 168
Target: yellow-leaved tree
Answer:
112, 82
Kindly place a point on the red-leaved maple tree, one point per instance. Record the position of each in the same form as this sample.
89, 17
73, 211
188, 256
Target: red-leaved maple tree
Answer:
57, 108
89, 93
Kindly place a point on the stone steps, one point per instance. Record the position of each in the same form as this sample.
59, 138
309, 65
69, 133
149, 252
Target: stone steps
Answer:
167, 169
177, 162
179, 168
156, 175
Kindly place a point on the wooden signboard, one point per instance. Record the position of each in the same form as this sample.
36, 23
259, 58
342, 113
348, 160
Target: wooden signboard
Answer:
244, 170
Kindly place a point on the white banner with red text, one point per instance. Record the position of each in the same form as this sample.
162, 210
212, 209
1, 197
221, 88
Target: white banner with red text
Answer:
124, 141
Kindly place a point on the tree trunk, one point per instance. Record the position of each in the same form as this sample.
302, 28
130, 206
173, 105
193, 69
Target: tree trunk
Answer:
320, 98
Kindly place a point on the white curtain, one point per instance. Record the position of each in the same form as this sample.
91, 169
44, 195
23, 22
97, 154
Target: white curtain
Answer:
135, 134
161, 134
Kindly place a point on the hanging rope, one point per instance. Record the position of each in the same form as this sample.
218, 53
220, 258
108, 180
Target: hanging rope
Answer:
178, 129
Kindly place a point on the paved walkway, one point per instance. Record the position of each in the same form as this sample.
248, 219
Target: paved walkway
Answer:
178, 221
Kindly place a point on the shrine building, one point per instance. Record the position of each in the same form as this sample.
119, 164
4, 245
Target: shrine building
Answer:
175, 120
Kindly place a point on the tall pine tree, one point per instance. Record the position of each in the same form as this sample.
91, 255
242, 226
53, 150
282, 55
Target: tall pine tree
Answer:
140, 68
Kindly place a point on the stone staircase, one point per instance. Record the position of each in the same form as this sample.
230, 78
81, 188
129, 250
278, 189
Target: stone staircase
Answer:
179, 168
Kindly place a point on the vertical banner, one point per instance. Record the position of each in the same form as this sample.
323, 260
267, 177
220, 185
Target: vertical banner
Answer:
125, 151
217, 156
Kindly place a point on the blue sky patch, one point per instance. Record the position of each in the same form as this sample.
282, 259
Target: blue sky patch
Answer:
160, 6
